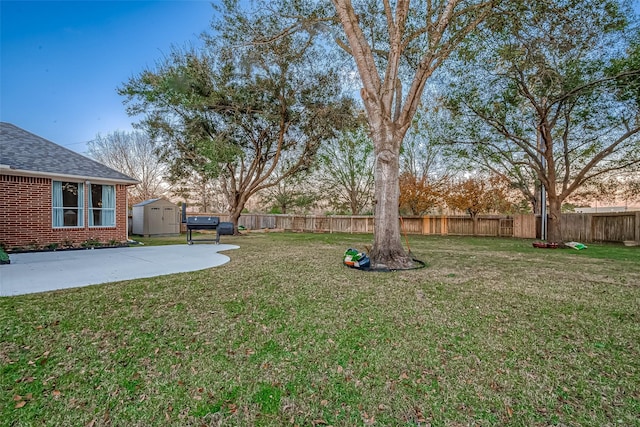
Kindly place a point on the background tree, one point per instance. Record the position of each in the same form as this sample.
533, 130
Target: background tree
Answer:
392, 43
422, 154
200, 191
134, 154
616, 189
346, 171
418, 195
476, 195
234, 110
542, 98
289, 195
424, 173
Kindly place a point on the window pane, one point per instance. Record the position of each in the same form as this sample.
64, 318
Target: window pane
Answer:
70, 217
96, 196
69, 195
97, 217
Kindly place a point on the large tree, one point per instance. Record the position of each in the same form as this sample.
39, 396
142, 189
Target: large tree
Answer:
134, 154
396, 46
394, 43
547, 96
233, 111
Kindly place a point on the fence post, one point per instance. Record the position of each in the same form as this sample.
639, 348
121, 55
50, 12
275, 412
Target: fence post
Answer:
425, 225
637, 232
444, 227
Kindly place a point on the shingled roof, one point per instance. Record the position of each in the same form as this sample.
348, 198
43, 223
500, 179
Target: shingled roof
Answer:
23, 152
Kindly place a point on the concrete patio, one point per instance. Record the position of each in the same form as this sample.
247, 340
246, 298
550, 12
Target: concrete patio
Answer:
49, 271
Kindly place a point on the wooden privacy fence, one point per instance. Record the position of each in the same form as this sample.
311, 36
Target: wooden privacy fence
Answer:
523, 226
588, 227
601, 227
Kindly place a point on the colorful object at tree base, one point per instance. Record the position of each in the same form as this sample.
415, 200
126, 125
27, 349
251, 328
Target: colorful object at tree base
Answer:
355, 259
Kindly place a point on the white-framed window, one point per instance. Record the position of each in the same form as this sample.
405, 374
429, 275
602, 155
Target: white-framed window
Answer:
67, 203
102, 205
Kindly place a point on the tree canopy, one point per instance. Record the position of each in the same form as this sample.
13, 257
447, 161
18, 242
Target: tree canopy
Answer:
234, 110
541, 95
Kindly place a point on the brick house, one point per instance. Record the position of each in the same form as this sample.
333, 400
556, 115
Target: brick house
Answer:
49, 194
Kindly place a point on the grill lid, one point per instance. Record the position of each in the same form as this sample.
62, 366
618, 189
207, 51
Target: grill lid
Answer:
203, 221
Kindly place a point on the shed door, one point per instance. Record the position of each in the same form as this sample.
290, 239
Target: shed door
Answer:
155, 221
170, 220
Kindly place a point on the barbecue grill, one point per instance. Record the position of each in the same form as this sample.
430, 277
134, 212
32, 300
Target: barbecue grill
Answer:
207, 223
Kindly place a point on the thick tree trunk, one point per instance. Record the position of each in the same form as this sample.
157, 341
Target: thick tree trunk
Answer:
234, 216
236, 205
554, 226
387, 250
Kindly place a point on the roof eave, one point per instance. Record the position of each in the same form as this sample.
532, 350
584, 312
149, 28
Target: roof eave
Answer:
7, 170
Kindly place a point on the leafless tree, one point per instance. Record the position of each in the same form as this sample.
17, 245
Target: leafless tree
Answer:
134, 154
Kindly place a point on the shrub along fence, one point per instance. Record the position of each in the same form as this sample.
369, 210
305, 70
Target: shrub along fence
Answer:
589, 227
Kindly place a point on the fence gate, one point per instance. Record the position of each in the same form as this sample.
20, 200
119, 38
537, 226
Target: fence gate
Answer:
506, 227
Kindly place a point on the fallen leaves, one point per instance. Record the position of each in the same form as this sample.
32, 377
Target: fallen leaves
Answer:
368, 420
22, 400
509, 412
419, 415
25, 380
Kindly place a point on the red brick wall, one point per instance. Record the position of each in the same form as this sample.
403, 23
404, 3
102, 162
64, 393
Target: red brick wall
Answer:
26, 215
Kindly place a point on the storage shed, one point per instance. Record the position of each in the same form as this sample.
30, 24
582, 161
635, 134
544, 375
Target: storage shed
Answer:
155, 217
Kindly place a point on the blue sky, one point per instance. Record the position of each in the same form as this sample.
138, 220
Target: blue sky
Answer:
61, 61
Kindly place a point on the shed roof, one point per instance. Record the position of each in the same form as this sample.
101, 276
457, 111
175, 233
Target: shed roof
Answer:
146, 202
22, 151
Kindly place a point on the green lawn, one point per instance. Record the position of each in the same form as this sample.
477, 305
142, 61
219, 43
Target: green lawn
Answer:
491, 332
